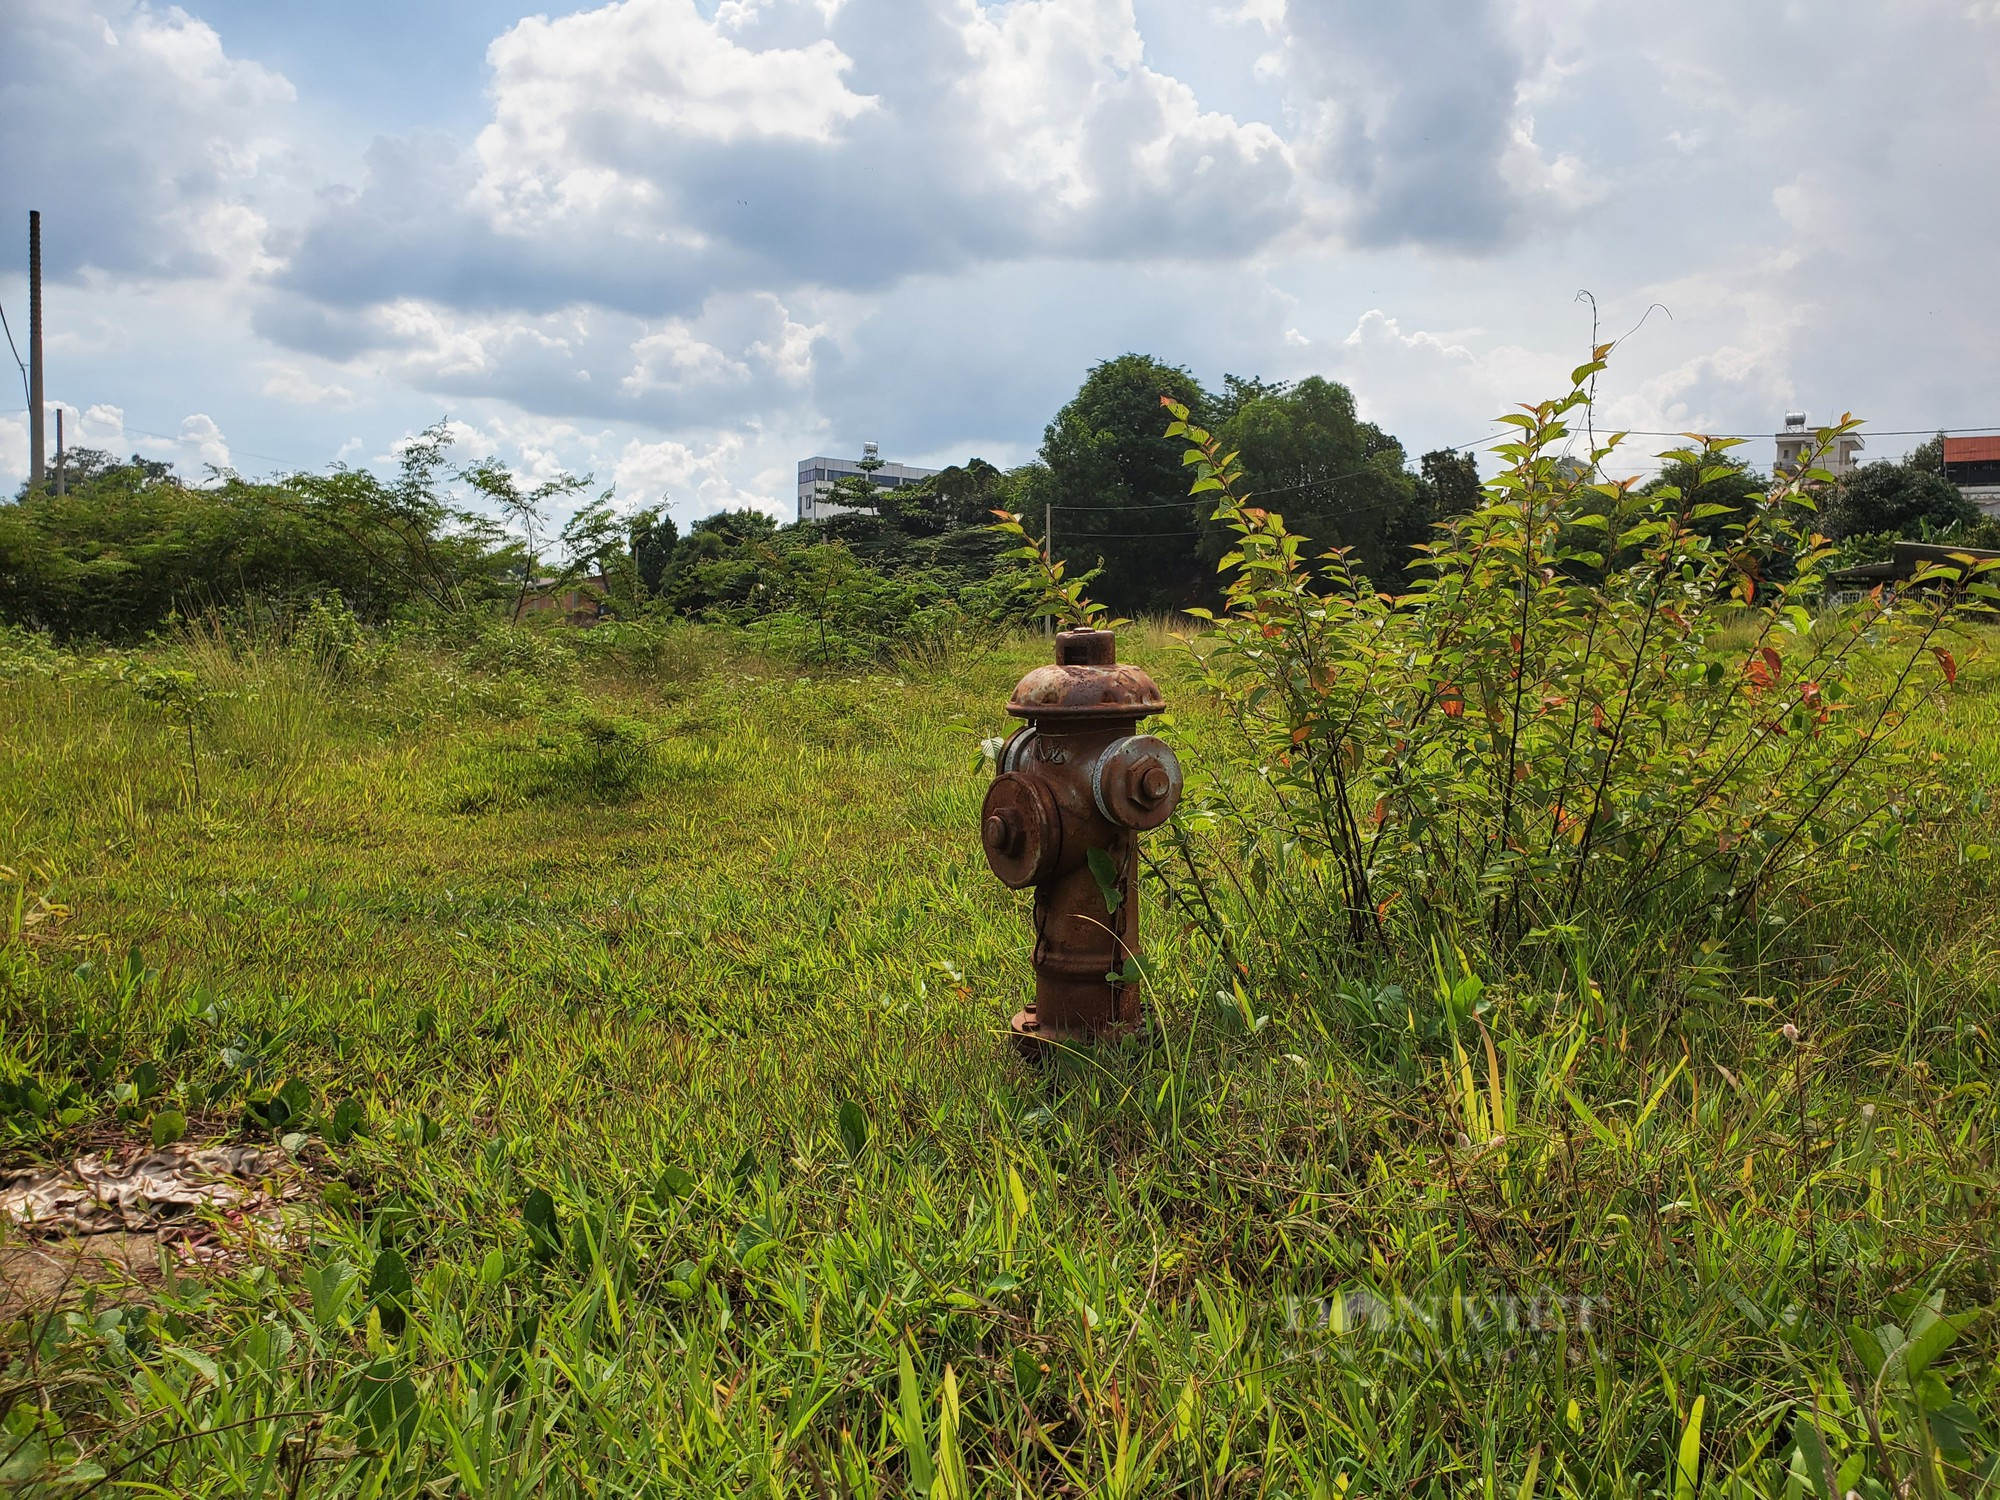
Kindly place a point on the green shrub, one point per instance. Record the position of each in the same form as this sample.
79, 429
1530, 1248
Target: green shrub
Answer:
327, 636
129, 545
25, 653
1595, 720
542, 651
596, 757
576, 756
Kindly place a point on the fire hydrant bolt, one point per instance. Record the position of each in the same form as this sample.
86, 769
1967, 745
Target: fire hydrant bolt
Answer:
1075, 779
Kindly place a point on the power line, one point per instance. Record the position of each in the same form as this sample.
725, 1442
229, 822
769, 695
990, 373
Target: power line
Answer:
25, 396
1357, 510
1458, 448
1377, 507
1259, 494
1374, 508
182, 437
1332, 478
1860, 431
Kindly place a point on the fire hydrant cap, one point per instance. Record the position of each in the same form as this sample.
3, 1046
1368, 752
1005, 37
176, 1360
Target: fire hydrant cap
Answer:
1020, 828
1086, 682
1136, 783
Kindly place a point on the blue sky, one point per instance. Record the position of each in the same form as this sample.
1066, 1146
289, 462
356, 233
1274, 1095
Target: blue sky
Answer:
683, 243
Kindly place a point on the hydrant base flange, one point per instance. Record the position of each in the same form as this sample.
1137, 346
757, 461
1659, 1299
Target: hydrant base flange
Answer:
1035, 1042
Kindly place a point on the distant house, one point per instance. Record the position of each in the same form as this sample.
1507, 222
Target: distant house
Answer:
1795, 444
1973, 464
581, 603
1850, 584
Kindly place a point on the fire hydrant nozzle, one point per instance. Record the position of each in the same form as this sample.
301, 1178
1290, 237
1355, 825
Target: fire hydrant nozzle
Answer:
1077, 778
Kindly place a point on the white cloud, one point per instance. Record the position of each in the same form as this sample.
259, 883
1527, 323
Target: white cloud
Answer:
102, 426
789, 351
197, 446
288, 382
1395, 374
14, 446
1414, 123
672, 356
644, 158
695, 481
153, 141
591, 109
204, 439
1053, 99
1269, 14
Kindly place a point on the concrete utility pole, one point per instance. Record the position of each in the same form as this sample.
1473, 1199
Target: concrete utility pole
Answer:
37, 467
59, 453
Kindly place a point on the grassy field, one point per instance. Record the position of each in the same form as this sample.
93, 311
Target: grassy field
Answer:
668, 984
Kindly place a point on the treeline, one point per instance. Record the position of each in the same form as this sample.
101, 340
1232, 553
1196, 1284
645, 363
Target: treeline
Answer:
130, 544
1115, 490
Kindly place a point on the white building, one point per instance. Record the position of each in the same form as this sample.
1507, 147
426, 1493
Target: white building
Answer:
1795, 445
817, 476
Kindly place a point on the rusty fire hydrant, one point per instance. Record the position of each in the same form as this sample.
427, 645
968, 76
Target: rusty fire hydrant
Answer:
1074, 780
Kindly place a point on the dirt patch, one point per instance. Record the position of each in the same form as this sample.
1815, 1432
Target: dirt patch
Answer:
120, 1217
34, 1273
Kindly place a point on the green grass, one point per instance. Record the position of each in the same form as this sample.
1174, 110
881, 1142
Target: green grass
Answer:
628, 924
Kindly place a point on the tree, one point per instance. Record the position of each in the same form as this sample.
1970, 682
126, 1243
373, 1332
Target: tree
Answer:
1448, 484
1118, 492
418, 542
720, 563
1337, 480
953, 511
941, 523
83, 465
527, 509
652, 537
853, 493
594, 547
1238, 391
1720, 480
1910, 498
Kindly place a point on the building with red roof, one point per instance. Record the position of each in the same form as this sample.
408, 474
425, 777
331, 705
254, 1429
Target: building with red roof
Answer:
1973, 464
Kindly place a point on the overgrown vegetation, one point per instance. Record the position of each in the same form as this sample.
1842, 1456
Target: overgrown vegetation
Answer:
1575, 986
130, 549
1606, 721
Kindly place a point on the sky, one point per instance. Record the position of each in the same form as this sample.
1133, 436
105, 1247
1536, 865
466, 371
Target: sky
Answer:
682, 244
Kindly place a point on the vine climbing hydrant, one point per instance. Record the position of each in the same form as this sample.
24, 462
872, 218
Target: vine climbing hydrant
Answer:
1076, 786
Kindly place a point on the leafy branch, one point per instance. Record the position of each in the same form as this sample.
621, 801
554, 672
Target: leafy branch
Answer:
1059, 594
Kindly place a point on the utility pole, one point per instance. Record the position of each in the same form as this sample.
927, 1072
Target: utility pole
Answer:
37, 468
59, 453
